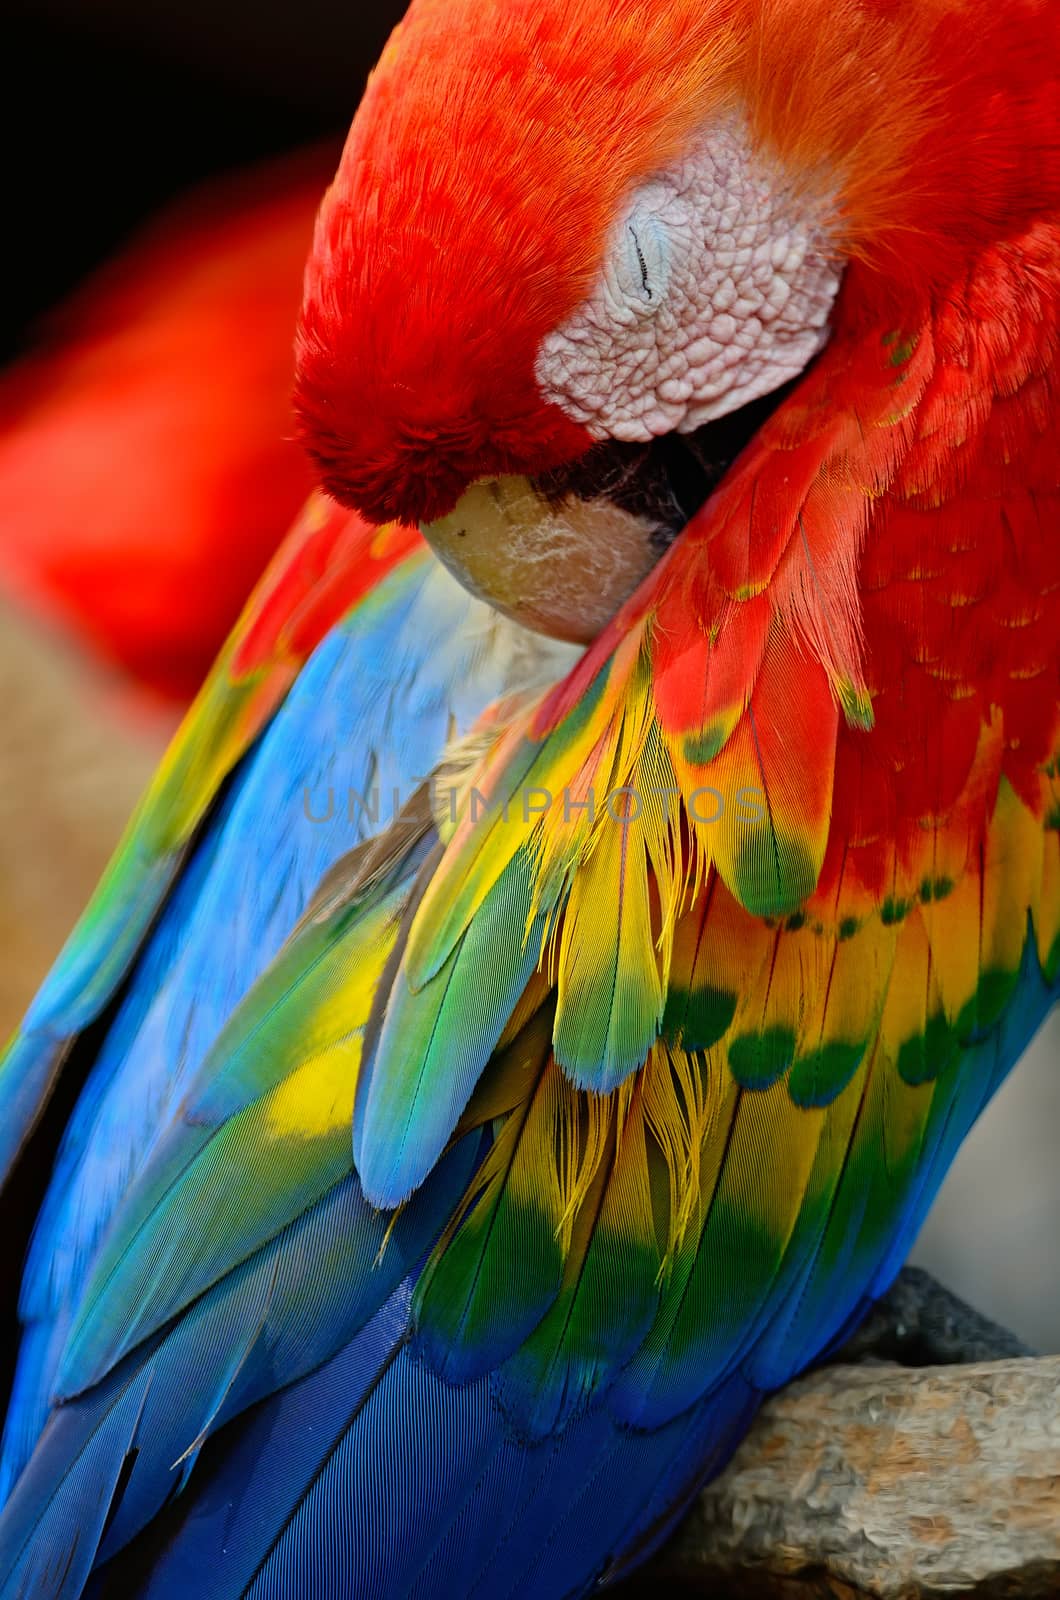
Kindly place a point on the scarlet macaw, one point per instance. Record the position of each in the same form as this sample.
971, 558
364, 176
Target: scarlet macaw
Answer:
167, 375
656, 1019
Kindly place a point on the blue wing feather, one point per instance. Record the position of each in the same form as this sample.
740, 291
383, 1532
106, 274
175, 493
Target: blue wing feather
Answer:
367, 718
385, 1481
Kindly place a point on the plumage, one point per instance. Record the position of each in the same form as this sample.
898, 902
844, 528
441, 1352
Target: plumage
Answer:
500, 1155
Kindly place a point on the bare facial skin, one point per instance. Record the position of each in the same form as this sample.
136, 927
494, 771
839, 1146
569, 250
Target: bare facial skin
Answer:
716, 290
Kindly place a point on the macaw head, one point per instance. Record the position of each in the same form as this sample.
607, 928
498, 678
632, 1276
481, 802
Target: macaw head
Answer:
567, 240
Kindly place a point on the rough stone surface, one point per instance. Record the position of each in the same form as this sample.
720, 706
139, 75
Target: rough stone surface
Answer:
896, 1483
919, 1323
878, 1481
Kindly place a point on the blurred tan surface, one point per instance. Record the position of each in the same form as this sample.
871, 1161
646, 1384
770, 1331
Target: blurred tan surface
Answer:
73, 761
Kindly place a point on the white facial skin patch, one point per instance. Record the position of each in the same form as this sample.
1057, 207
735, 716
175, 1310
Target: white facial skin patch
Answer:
717, 286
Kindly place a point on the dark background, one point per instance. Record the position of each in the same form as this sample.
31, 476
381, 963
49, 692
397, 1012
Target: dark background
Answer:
112, 106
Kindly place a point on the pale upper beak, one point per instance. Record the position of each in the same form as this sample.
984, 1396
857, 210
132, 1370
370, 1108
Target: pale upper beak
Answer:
561, 566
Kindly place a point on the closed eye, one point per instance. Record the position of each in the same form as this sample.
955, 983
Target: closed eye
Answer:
640, 261
715, 286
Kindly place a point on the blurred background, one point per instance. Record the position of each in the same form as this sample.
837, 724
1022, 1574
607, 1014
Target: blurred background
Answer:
123, 109
122, 105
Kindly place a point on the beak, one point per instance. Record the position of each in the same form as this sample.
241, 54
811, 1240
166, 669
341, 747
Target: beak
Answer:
563, 551
554, 560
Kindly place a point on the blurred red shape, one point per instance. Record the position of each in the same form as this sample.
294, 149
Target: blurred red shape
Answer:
147, 462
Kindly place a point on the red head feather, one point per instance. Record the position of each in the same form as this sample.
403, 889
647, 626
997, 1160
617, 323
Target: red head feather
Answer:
497, 139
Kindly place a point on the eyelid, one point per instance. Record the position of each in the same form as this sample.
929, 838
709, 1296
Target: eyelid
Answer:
641, 262
641, 257
726, 320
